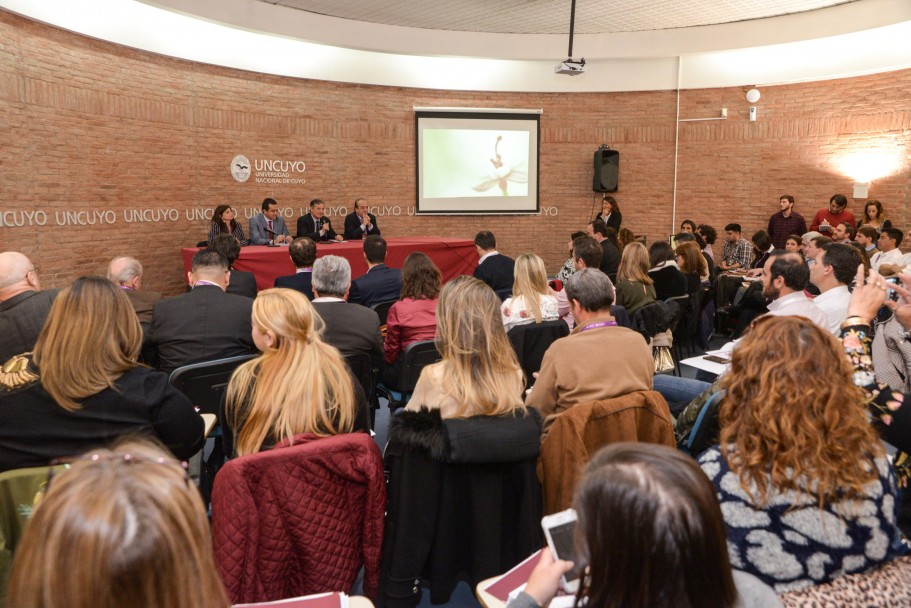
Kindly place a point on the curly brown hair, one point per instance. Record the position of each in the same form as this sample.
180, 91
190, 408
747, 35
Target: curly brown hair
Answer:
792, 418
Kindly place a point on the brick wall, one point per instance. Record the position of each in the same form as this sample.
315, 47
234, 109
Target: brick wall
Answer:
94, 127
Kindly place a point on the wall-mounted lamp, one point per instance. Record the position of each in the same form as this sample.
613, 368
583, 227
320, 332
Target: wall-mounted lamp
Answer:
752, 97
861, 189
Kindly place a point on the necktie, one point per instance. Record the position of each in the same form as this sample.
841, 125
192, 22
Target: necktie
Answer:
270, 225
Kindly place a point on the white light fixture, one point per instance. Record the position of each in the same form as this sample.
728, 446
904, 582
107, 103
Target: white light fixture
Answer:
861, 189
753, 95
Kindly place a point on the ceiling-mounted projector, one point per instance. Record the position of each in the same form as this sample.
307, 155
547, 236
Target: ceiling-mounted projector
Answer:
570, 67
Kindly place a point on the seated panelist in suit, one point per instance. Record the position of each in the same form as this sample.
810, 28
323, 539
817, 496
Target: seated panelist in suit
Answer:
351, 328
242, 283
381, 283
315, 225
126, 273
360, 223
204, 324
303, 254
494, 268
268, 228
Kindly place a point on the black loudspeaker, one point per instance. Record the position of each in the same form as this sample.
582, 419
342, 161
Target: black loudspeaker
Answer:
607, 171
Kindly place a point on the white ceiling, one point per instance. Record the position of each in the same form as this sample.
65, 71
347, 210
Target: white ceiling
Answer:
552, 16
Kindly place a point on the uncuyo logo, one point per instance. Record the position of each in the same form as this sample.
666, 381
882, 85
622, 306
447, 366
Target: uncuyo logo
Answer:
240, 168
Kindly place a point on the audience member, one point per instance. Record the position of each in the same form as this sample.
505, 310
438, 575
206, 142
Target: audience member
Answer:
625, 237
805, 239
832, 271
360, 223
635, 287
688, 237
826, 219
224, 222
205, 324
665, 273
569, 266
867, 237
842, 233
268, 227
652, 534
688, 226
598, 360
315, 225
874, 217
414, 317
709, 235
762, 248
242, 283
299, 384
351, 328
610, 213
610, 248
738, 252
126, 273
805, 485
784, 277
479, 373
586, 254
23, 305
865, 260
889, 253
692, 264
532, 301
121, 527
793, 244
785, 222
82, 387
494, 268
380, 283
303, 253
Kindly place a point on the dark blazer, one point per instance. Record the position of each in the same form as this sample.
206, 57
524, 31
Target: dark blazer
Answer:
21, 320
497, 271
669, 282
142, 302
242, 284
306, 226
201, 325
352, 328
614, 221
301, 281
380, 284
610, 259
353, 230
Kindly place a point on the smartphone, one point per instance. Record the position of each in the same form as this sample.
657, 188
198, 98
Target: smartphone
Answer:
716, 359
559, 529
892, 294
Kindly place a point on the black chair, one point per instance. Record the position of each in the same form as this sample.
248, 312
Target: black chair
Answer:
677, 306
202, 244
417, 356
531, 341
382, 310
704, 433
361, 365
205, 383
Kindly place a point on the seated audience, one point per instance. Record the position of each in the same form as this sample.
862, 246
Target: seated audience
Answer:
843, 233
223, 222
532, 301
494, 268
121, 527
864, 258
351, 328
793, 244
569, 266
668, 280
804, 482
299, 384
360, 223
610, 213
303, 253
832, 270
598, 360
687, 237
23, 305
762, 247
867, 236
738, 252
126, 273
610, 247
889, 253
414, 317
380, 283
204, 324
652, 534
586, 254
688, 226
242, 283
625, 237
784, 278
635, 287
692, 264
479, 373
709, 236
82, 387
874, 216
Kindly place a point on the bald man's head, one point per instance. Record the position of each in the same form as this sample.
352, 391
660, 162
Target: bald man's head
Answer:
17, 274
125, 271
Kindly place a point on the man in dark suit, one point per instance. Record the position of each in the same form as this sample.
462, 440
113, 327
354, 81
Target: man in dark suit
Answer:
303, 253
351, 328
126, 272
204, 324
494, 268
610, 253
381, 283
23, 306
242, 283
315, 225
360, 223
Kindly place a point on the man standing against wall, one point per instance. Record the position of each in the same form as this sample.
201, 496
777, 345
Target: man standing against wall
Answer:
786, 222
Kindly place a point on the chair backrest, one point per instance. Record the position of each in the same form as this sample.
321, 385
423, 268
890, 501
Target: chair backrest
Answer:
417, 355
704, 433
531, 341
677, 306
300, 518
652, 318
361, 365
382, 310
205, 383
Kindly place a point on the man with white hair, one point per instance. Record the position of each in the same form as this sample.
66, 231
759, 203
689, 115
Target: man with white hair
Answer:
23, 305
126, 273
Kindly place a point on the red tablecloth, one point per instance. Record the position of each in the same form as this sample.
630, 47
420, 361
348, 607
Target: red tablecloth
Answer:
454, 257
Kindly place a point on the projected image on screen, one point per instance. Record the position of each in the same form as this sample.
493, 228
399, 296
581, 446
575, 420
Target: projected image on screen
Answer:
477, 163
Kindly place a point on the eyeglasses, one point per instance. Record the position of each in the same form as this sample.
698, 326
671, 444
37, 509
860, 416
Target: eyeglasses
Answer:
54, 469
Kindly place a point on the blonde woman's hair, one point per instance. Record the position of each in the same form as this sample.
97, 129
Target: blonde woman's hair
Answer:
479, 366
121, 527
634, 264
91, 338
299, 385
530, 282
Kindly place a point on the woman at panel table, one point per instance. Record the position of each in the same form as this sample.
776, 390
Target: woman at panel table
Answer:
224, 222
